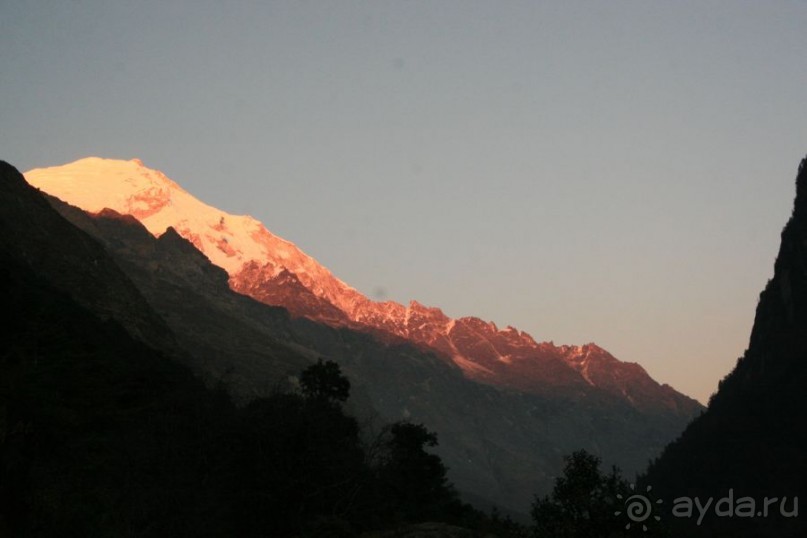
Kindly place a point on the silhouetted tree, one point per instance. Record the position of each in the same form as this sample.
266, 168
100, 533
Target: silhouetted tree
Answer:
414, 480
324, 381
301, 459
584, 502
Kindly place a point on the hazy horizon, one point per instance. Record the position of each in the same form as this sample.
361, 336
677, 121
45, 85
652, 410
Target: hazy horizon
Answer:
612, 173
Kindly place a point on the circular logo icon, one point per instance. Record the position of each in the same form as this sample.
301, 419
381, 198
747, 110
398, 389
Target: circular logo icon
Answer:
638, 508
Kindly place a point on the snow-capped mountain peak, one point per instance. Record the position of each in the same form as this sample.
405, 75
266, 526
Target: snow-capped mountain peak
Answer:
229, 241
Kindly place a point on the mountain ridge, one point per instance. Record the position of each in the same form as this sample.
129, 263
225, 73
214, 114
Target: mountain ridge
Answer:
275, 271
500, 443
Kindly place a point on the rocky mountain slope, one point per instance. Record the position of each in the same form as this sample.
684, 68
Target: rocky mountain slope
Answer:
274, 271
500, 445
503, 438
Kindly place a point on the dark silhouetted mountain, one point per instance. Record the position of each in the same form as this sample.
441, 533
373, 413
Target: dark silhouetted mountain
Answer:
36, 236
752, 439
100, 435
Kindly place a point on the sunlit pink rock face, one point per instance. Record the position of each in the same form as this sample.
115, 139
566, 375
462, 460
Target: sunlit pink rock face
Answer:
275, 271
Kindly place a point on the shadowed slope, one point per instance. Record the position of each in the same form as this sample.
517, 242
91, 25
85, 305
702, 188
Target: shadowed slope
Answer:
752, 438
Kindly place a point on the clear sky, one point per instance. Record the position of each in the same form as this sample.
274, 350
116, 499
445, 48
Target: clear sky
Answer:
615, 172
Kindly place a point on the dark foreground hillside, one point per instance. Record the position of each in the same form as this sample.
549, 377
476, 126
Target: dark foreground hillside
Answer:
102, 436
751, 443
104, 432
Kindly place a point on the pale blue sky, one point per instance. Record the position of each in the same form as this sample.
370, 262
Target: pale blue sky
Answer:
615, 172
